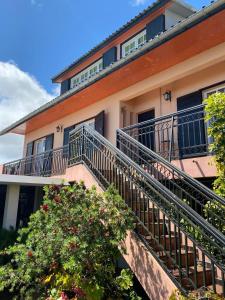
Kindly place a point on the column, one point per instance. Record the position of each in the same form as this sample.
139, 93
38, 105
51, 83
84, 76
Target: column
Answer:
11, 206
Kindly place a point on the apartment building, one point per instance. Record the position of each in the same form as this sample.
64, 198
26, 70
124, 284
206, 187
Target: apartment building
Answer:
132, 106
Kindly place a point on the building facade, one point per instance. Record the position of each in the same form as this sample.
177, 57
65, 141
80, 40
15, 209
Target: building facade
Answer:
149, 78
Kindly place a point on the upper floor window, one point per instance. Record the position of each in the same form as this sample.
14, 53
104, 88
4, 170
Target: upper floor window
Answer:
213, 90
134, 43
87, 73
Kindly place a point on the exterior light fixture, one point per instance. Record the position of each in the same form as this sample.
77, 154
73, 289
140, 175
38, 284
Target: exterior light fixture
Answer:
167, 96
59, 128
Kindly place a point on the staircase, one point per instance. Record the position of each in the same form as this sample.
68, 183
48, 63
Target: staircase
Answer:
187, 246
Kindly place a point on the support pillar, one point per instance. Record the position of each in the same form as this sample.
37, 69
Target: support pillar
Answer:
11, 206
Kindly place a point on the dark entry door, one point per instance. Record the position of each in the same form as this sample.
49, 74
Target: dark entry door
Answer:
191, 127
146, 131
2, 202
26, 205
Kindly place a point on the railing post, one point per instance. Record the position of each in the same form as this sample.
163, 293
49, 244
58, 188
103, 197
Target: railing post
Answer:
171, 139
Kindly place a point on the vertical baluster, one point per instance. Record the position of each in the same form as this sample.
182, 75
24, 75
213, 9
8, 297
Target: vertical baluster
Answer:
203, 270
195, 267
179, 249
186, 254
213, 276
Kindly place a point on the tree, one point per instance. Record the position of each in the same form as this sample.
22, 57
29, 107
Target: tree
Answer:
70, 247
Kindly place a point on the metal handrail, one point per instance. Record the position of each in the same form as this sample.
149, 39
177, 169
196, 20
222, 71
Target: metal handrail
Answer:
105, 160
178, 135
167, 193
161, 118
41, 164
196, 184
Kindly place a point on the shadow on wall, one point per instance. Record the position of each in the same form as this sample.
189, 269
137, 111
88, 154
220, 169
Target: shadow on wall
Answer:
152, 277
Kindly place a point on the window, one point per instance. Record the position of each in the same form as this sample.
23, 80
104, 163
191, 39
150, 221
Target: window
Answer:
206, 94
219, 88
87, 73
39, 146
134, 43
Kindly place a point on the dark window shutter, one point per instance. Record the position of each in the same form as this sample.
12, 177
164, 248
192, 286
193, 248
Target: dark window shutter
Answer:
155, 27
99, 122
49, 142
65, 86
30, 148
67, 134
109, 57
189, 100
191, 126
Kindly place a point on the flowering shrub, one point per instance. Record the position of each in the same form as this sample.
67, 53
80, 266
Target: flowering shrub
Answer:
215, 115
70, 248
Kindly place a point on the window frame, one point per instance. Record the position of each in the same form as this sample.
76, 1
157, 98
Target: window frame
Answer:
87, 73
133, 40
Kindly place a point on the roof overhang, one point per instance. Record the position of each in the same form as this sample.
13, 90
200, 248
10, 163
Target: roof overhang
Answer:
30, 180
192, 36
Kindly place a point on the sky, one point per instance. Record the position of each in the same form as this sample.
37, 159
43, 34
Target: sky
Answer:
39, 38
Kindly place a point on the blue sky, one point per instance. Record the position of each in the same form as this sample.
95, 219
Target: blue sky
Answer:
44, 36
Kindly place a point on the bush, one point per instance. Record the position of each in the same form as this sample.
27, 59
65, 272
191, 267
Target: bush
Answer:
71, 247
197, 295
7, 237
215, 115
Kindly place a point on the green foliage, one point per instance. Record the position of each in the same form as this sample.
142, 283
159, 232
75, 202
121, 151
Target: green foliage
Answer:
215, 115
197, 295
7, 237
70, 247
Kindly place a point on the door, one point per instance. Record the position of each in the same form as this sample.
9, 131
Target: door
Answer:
38, 164
3, 189
146, 134
29, 160
25, 205
48, 156
191, 127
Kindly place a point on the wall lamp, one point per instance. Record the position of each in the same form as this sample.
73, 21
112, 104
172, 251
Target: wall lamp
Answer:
59, 128
167, 96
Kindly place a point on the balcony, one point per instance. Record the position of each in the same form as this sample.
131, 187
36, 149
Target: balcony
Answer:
46, 164
176, 136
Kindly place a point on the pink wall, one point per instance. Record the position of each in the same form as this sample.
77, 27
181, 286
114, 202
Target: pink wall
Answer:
197, 167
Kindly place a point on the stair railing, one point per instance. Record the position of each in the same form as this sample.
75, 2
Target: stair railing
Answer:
174, 217
188, 189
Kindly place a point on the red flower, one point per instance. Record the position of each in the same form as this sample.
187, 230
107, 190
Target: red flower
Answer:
64, 296
73, 229
79, 293
73, 246
90, 221
57, 199
45, 207
30, 254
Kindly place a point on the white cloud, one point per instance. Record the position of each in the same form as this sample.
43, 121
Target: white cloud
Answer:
20, 93
139, 2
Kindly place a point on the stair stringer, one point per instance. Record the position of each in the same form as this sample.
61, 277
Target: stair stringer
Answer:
154, 280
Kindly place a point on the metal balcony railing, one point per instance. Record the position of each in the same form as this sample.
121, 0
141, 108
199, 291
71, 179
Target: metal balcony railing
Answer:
176, 136
49, 163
